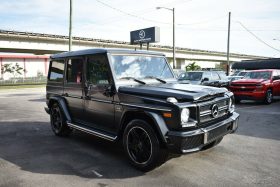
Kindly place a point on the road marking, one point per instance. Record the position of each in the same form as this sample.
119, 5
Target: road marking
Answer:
97, 174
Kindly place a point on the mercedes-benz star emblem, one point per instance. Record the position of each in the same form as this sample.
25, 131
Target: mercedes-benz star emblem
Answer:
142, 34
214, 110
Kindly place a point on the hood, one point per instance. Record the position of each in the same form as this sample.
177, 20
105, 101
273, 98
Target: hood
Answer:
250, 81
182, 92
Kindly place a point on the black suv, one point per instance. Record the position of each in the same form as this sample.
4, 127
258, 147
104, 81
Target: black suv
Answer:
133, 96
206, 78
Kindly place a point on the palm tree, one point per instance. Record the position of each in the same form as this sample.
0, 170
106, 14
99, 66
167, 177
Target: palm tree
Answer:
192, 67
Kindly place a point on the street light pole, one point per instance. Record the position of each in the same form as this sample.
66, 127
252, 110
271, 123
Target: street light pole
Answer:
174, 58
70, 26
228, 40
174, 51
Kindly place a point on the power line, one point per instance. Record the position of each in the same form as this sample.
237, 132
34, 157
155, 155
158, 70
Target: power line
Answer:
257, 37
129, 14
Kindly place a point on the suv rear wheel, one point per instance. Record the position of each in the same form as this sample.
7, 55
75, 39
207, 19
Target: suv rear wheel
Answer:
58, 122
142, 146
268, 97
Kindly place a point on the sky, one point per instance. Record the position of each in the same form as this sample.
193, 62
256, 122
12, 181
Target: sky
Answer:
200, 24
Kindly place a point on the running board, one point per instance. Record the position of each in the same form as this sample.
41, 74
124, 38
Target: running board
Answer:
90, 131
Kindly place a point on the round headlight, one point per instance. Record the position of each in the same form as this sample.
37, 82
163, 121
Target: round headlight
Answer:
185, 114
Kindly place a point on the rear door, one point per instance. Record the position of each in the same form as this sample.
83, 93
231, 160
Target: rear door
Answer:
73, 88
276, 83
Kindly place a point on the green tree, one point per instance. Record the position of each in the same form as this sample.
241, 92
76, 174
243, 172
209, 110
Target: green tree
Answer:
13, 69
192, 67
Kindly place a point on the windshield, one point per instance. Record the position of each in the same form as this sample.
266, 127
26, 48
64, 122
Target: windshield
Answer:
140, 66
258, 75
192, 76
242, 73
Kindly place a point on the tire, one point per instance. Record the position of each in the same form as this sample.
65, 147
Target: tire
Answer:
58, 122
213, 144
268, 97
142, 145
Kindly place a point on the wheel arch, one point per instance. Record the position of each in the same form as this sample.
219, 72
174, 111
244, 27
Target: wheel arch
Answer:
152, 118
62, 104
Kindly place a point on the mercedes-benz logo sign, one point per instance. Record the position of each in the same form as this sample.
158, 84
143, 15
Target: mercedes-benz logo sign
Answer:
214, 110
142, 34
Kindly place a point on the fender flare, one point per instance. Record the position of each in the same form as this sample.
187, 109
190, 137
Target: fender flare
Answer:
159, 124
62, 104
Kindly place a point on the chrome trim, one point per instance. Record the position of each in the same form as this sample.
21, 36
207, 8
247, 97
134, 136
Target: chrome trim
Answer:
104, 136
99, 100
140, 106
208, 112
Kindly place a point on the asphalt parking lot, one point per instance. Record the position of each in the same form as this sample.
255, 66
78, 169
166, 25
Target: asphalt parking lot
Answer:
30, 155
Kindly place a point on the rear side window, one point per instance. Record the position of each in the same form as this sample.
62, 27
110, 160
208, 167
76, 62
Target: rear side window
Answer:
74, 70
56, 71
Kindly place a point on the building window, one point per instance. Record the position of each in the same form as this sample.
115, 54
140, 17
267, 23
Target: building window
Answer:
56, 71
74, 70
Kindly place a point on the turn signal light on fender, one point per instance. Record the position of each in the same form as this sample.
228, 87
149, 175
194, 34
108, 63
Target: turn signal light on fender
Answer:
167, 115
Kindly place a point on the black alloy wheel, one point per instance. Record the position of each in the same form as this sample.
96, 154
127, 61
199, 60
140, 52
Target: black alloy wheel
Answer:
139, 145
58, 122
142, 145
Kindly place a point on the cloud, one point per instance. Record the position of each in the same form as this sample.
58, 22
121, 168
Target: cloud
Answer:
206, 21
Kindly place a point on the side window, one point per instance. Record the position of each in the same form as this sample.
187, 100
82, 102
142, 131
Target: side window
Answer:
74, 70
56, 71
215, 76
98, 72
207, 75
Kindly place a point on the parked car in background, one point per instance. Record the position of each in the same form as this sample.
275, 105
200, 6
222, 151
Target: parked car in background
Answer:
207, 78
178, 72
257, 85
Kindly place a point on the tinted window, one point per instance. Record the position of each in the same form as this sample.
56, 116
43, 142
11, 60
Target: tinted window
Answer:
192, 76
74, 70
98, 70
56, 71
258, 75
215, 76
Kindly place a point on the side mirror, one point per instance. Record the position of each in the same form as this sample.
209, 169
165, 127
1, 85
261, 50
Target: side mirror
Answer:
205, 79
109, 91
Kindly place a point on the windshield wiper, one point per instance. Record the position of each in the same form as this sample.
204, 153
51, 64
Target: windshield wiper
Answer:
158, 79
132, 78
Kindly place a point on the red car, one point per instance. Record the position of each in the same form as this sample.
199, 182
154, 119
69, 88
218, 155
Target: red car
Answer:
257, 85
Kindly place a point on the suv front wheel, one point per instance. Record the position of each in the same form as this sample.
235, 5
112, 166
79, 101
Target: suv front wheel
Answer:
58, 122
142, 145
268, 97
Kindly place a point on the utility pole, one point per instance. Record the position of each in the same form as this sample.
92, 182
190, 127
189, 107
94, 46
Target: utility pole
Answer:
174, 58
228, 40
70, 27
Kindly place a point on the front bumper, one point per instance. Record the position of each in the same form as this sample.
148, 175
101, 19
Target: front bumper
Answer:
189, 141
256, 95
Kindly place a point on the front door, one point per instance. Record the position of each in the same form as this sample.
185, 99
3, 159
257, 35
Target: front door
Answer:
99, 106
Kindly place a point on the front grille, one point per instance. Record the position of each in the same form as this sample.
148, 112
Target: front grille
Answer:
205, 113
239, 85
193, 142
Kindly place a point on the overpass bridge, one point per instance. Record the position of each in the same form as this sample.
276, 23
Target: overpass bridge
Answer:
40, 44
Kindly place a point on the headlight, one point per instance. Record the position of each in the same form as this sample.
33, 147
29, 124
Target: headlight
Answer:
231, 105
185, 114
230, 102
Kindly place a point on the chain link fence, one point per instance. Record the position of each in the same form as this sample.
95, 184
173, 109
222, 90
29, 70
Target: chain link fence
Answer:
23, 81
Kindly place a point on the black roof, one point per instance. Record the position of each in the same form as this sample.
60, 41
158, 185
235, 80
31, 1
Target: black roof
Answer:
103, 50
272, 63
